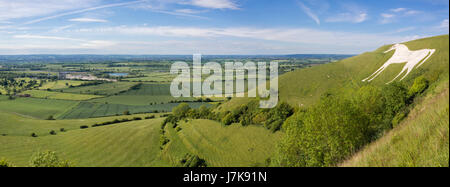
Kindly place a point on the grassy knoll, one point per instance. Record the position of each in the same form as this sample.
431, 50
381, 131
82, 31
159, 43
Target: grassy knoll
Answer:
101, 89
421, 140
59, 95
137, 144
36, 108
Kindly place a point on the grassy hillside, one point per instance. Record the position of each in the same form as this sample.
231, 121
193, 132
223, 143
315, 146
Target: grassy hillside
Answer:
137, 144
421, 140
305, 86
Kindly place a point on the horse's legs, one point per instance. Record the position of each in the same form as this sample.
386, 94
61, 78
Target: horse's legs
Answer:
407, 73
429, 55
375, 73
403, 70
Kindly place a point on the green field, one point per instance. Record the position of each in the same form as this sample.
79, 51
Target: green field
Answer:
147, 94
90, 109
137, 144
36, 108
153, 77
60, 84
101, 89
59, 95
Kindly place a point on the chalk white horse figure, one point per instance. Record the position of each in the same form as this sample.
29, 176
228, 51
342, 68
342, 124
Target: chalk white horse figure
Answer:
403, 55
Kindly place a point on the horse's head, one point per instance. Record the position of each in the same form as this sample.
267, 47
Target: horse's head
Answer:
394, 47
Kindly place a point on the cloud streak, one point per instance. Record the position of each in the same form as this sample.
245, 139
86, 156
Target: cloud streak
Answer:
82, 11
309, 13
88, 20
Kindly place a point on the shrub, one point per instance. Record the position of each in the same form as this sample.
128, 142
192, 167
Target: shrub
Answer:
178, 129
84, 127
192, 161
327, 133
5, 164
181, 110
137, 118
126, 112
62, 130
34, 135
150, 117
163, 140
52, 132
48, 159
419, 86
50, 117
228, 119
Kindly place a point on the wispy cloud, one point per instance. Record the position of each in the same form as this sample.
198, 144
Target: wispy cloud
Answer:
393, 14
348, 17
214, 4
88, 20
26, 9
82, 11
444, 26
351, 13
291, 35
44, 42
309, 12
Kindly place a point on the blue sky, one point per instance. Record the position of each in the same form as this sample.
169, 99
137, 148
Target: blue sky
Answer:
215, 26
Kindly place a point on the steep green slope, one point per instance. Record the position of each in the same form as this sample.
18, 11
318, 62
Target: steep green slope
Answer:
137, 144
305, 86
422, 140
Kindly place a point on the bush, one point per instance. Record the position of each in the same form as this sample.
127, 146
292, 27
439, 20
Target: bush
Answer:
163, 140
137, 118
52, 132
126, 112
178, 129
327, 133
50, 118
419, 86
228, 119
62, 130
48, 159
34, 135
192, 161
181, 110
150, 117
5, 164
84, 127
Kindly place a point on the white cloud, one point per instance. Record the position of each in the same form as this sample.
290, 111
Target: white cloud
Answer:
28, 41
398, 9
393, 14
289, 35
83, 11
309, 12
214, 4
349, 17
188, 11
88, 20
444, 25
32, 8
28, 36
